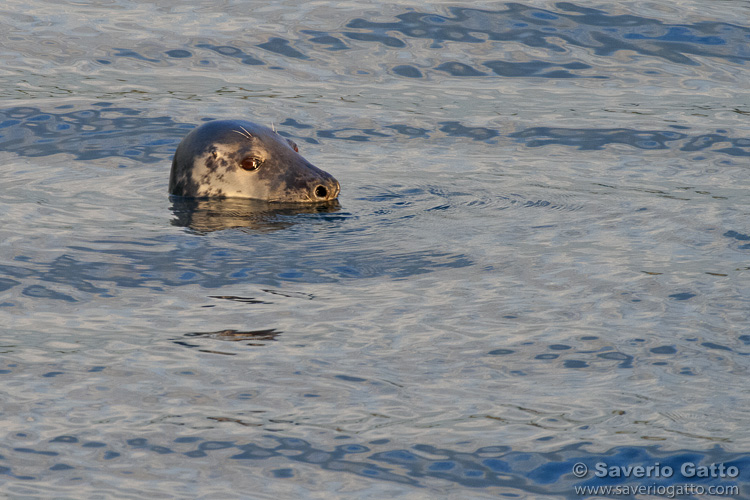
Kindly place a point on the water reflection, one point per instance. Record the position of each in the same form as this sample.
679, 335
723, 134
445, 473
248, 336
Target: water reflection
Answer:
529, 291
549, 31
108, 131
101, 131
237, 336
203, 216
256, 338
419, 465
265, 244
555, 30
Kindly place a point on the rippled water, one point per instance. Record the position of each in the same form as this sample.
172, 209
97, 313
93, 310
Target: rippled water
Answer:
539, 257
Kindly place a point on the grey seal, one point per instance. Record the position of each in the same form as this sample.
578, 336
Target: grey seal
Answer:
241, 159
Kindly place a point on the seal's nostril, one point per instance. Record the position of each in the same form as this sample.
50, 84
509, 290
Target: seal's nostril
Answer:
321, 192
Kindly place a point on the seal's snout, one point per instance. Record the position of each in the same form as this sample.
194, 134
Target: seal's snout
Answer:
327, 192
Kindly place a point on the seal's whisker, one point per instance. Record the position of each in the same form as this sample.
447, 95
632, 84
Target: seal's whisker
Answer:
244, 133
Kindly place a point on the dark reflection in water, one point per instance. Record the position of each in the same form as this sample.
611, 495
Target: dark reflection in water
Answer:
256, 338
230, 51
108, 131
517, 69
269, 263
89, 134
242, 300
597, 138
281, 46
206, 215
456, 129
539, 69
596, 354
237, 336
553, 30
545, 473
569, 25
741, 237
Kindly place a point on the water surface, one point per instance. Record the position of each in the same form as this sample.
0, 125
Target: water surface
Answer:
539, 256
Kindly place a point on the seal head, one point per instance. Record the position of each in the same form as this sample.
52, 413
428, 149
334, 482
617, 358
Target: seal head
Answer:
241, 159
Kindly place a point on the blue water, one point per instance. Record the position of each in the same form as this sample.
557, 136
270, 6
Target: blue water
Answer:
539, 257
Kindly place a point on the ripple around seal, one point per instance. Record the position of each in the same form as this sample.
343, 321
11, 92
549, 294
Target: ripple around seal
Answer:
207, 215
430, 198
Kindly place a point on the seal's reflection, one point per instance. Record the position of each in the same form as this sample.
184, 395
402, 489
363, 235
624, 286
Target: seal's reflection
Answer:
206, 215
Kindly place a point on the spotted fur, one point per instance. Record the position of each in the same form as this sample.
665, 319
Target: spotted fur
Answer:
208, 163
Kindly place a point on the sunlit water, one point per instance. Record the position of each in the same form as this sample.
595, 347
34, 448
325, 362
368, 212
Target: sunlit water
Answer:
540, 254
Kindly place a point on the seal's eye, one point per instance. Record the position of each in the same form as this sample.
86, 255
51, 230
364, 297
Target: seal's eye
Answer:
251, 163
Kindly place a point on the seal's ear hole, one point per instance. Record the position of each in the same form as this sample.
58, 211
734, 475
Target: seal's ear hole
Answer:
249, 163
293, 145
